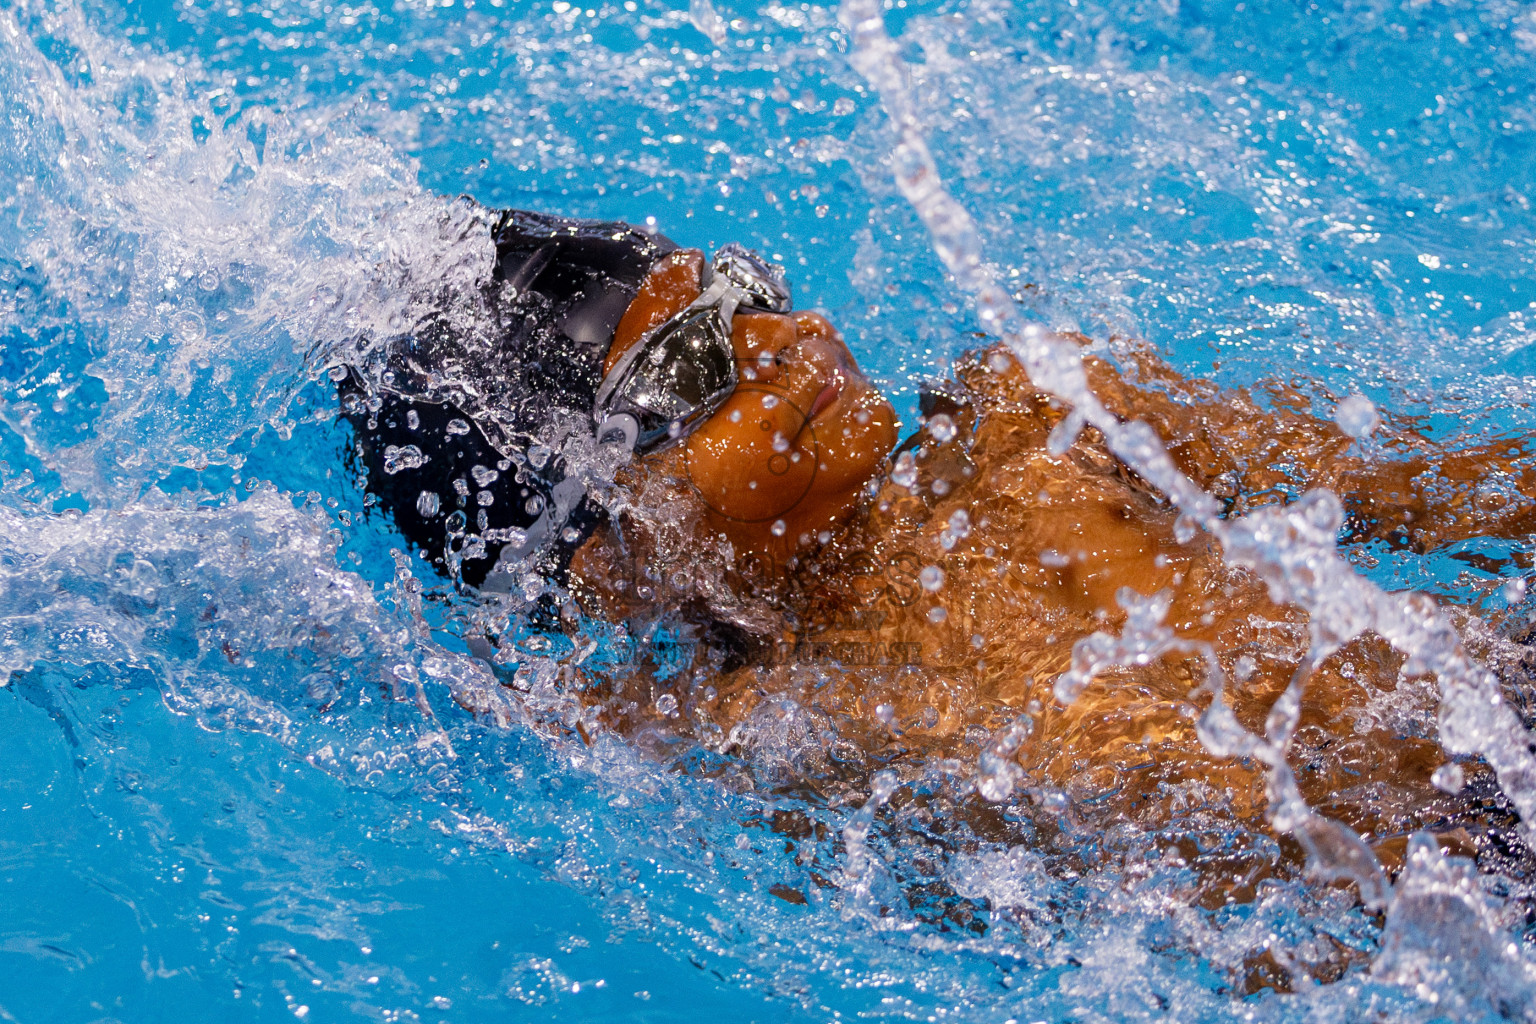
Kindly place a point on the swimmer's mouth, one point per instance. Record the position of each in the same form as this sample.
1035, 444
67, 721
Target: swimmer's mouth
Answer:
827, 395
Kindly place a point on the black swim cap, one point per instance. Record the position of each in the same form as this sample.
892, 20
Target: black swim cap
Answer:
456, 440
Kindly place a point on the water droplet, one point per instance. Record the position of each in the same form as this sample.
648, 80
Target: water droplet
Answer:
397, 458
1449, 778
484, 477
701, 13
778, 528
427, 503
666, 704
1064, 434
1357, 416
457, 427
937, 614
942, 428
904, 472
1513, 591
932, 578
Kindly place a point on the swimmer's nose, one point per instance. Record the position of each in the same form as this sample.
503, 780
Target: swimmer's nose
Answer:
761, 341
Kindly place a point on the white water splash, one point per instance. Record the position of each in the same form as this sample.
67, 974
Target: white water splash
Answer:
1292, 549
224, 256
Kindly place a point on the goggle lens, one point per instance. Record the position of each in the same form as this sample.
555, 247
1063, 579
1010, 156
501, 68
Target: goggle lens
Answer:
683, 374
687, 369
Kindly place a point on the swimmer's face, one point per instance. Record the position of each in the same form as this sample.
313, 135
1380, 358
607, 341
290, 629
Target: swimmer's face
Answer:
787, 455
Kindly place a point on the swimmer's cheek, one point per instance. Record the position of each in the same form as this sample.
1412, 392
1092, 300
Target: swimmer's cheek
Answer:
749, 421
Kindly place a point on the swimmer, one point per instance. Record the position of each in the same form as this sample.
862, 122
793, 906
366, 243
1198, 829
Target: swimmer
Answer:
670, 441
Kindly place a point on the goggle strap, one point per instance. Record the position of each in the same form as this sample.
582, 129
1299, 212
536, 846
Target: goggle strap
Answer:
564, 498
720, 294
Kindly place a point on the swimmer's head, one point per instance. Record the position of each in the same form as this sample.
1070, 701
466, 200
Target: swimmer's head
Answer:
784, 454
759, 412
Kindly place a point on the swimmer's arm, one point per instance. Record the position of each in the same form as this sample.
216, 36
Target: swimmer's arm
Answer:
1413, 492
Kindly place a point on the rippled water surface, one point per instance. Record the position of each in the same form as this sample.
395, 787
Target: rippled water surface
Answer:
234, 783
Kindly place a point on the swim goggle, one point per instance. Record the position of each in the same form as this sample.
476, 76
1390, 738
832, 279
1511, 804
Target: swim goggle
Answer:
664, 387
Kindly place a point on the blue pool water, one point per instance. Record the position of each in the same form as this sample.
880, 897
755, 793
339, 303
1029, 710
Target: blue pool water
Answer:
232, 782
